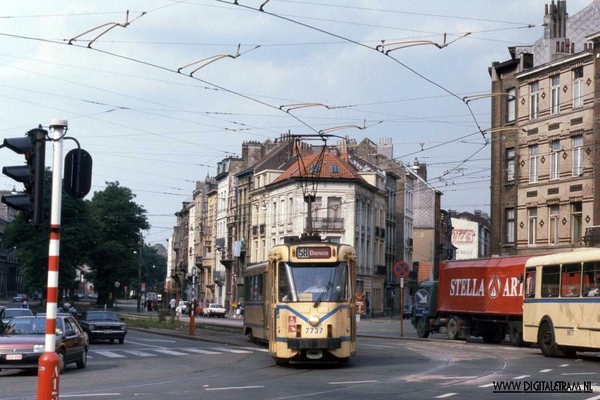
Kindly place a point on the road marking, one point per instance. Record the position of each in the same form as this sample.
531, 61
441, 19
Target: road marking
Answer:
234, 388
107, 353
545, 370
578, 373
351, 382
443, 396
231, 350
171, 352
521, 376
139, 353
256, 349
486, 385
200, 351
564, 365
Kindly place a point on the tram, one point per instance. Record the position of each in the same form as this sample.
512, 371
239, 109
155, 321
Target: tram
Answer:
301, 301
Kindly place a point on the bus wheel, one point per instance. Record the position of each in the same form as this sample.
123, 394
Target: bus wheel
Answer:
546, 341
422, 331
452, 328
516, 335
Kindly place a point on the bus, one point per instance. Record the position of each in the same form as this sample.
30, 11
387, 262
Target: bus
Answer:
561, 304
301, 301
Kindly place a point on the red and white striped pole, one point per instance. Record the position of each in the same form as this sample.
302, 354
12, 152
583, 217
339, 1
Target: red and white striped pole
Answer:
49, 363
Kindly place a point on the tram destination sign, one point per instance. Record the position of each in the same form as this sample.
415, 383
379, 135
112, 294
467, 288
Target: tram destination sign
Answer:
313, 252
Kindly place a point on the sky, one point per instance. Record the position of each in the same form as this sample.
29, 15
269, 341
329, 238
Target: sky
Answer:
160, 91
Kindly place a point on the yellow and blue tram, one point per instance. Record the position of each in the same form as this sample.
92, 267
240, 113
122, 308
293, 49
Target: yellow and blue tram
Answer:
301, 301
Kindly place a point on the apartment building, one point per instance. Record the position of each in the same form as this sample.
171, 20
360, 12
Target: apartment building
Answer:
545, 169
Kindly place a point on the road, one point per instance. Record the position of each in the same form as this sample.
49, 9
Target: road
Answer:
386, 367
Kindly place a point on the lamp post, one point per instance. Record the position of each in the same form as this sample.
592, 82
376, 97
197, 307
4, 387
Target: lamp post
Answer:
193, 304
139, 298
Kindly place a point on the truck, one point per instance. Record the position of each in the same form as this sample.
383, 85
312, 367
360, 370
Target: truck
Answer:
478, 297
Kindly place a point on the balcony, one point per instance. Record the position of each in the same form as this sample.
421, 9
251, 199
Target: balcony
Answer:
327, 224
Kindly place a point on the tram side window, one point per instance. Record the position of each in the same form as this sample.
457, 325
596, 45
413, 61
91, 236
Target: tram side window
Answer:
530, 283
591, 278
285, 293
550, 280
253, 286
570, 281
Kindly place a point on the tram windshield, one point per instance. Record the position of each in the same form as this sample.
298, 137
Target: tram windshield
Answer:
313, 282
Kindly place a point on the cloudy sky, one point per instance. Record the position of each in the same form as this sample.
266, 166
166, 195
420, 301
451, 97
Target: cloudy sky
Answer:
159, 91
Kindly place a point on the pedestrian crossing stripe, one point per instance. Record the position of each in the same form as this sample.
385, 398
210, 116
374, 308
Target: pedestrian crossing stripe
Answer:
186, 351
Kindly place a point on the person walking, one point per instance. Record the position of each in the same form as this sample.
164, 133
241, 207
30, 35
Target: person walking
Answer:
172, 304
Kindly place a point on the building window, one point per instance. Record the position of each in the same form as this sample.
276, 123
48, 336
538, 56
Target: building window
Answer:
577, 155
533, 157
534, 100
553, 224
576, 222
510, 225
578, 87
554, 159
511, 103
510, 165
555, 98
532, 226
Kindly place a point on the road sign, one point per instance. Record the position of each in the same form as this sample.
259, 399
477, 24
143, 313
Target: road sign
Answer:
401, 269
422, 297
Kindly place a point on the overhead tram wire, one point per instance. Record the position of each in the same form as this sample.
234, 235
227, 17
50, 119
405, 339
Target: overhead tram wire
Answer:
261, 9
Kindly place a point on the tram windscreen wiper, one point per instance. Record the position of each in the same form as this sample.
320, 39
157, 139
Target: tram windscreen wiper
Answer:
323, 293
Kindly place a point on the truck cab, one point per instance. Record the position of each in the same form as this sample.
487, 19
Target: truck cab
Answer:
425, 308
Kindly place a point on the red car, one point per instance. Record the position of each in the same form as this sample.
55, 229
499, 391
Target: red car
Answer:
22, 342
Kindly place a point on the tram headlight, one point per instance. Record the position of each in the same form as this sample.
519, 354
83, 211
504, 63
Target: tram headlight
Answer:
314, 320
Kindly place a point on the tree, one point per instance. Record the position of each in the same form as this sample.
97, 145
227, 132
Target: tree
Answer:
32, 242
118, 221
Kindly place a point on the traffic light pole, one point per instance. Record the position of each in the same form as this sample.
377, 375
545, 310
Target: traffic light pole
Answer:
49, 363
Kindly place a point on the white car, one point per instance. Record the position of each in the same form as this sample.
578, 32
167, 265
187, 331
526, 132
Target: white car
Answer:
214, 310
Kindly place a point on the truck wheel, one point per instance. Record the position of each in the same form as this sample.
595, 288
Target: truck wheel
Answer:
422, 331
452, 328
516, 335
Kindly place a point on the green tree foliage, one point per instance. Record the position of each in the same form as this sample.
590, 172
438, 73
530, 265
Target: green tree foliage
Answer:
118, 221
32, 242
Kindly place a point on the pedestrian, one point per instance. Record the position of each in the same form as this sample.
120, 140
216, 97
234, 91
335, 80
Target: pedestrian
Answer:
241, 308
180, 309
25, 304
149, 305
172, 304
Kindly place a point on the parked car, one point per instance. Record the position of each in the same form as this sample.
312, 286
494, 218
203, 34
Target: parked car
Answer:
214, 310
23, 340
20, 297
7, 314
104, 325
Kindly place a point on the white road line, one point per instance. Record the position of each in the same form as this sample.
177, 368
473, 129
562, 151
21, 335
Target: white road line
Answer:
545, 370
486, 385
200, 351
231, 350
170, 352
107, 353
578, 373
351, 382
234, 388
593, 398
443, 396
521, 376
256, 349
139, 353
564, 365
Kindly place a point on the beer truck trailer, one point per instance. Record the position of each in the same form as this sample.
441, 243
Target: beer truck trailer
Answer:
479, 297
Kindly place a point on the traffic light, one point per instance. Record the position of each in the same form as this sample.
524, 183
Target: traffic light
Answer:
31, 175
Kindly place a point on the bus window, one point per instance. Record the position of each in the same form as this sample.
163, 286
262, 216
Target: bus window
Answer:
591, 278
550, 280
570, 280
530, 282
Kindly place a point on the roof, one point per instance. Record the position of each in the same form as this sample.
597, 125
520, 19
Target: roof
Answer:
322, 166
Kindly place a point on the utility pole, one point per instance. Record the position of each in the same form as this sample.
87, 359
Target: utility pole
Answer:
139, 298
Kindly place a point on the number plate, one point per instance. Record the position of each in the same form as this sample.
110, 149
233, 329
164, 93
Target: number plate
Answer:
14, 356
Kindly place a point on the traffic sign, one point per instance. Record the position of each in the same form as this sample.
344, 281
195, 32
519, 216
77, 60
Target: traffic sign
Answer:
401, 269
422, 297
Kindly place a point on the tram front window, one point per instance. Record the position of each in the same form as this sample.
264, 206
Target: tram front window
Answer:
309, 282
